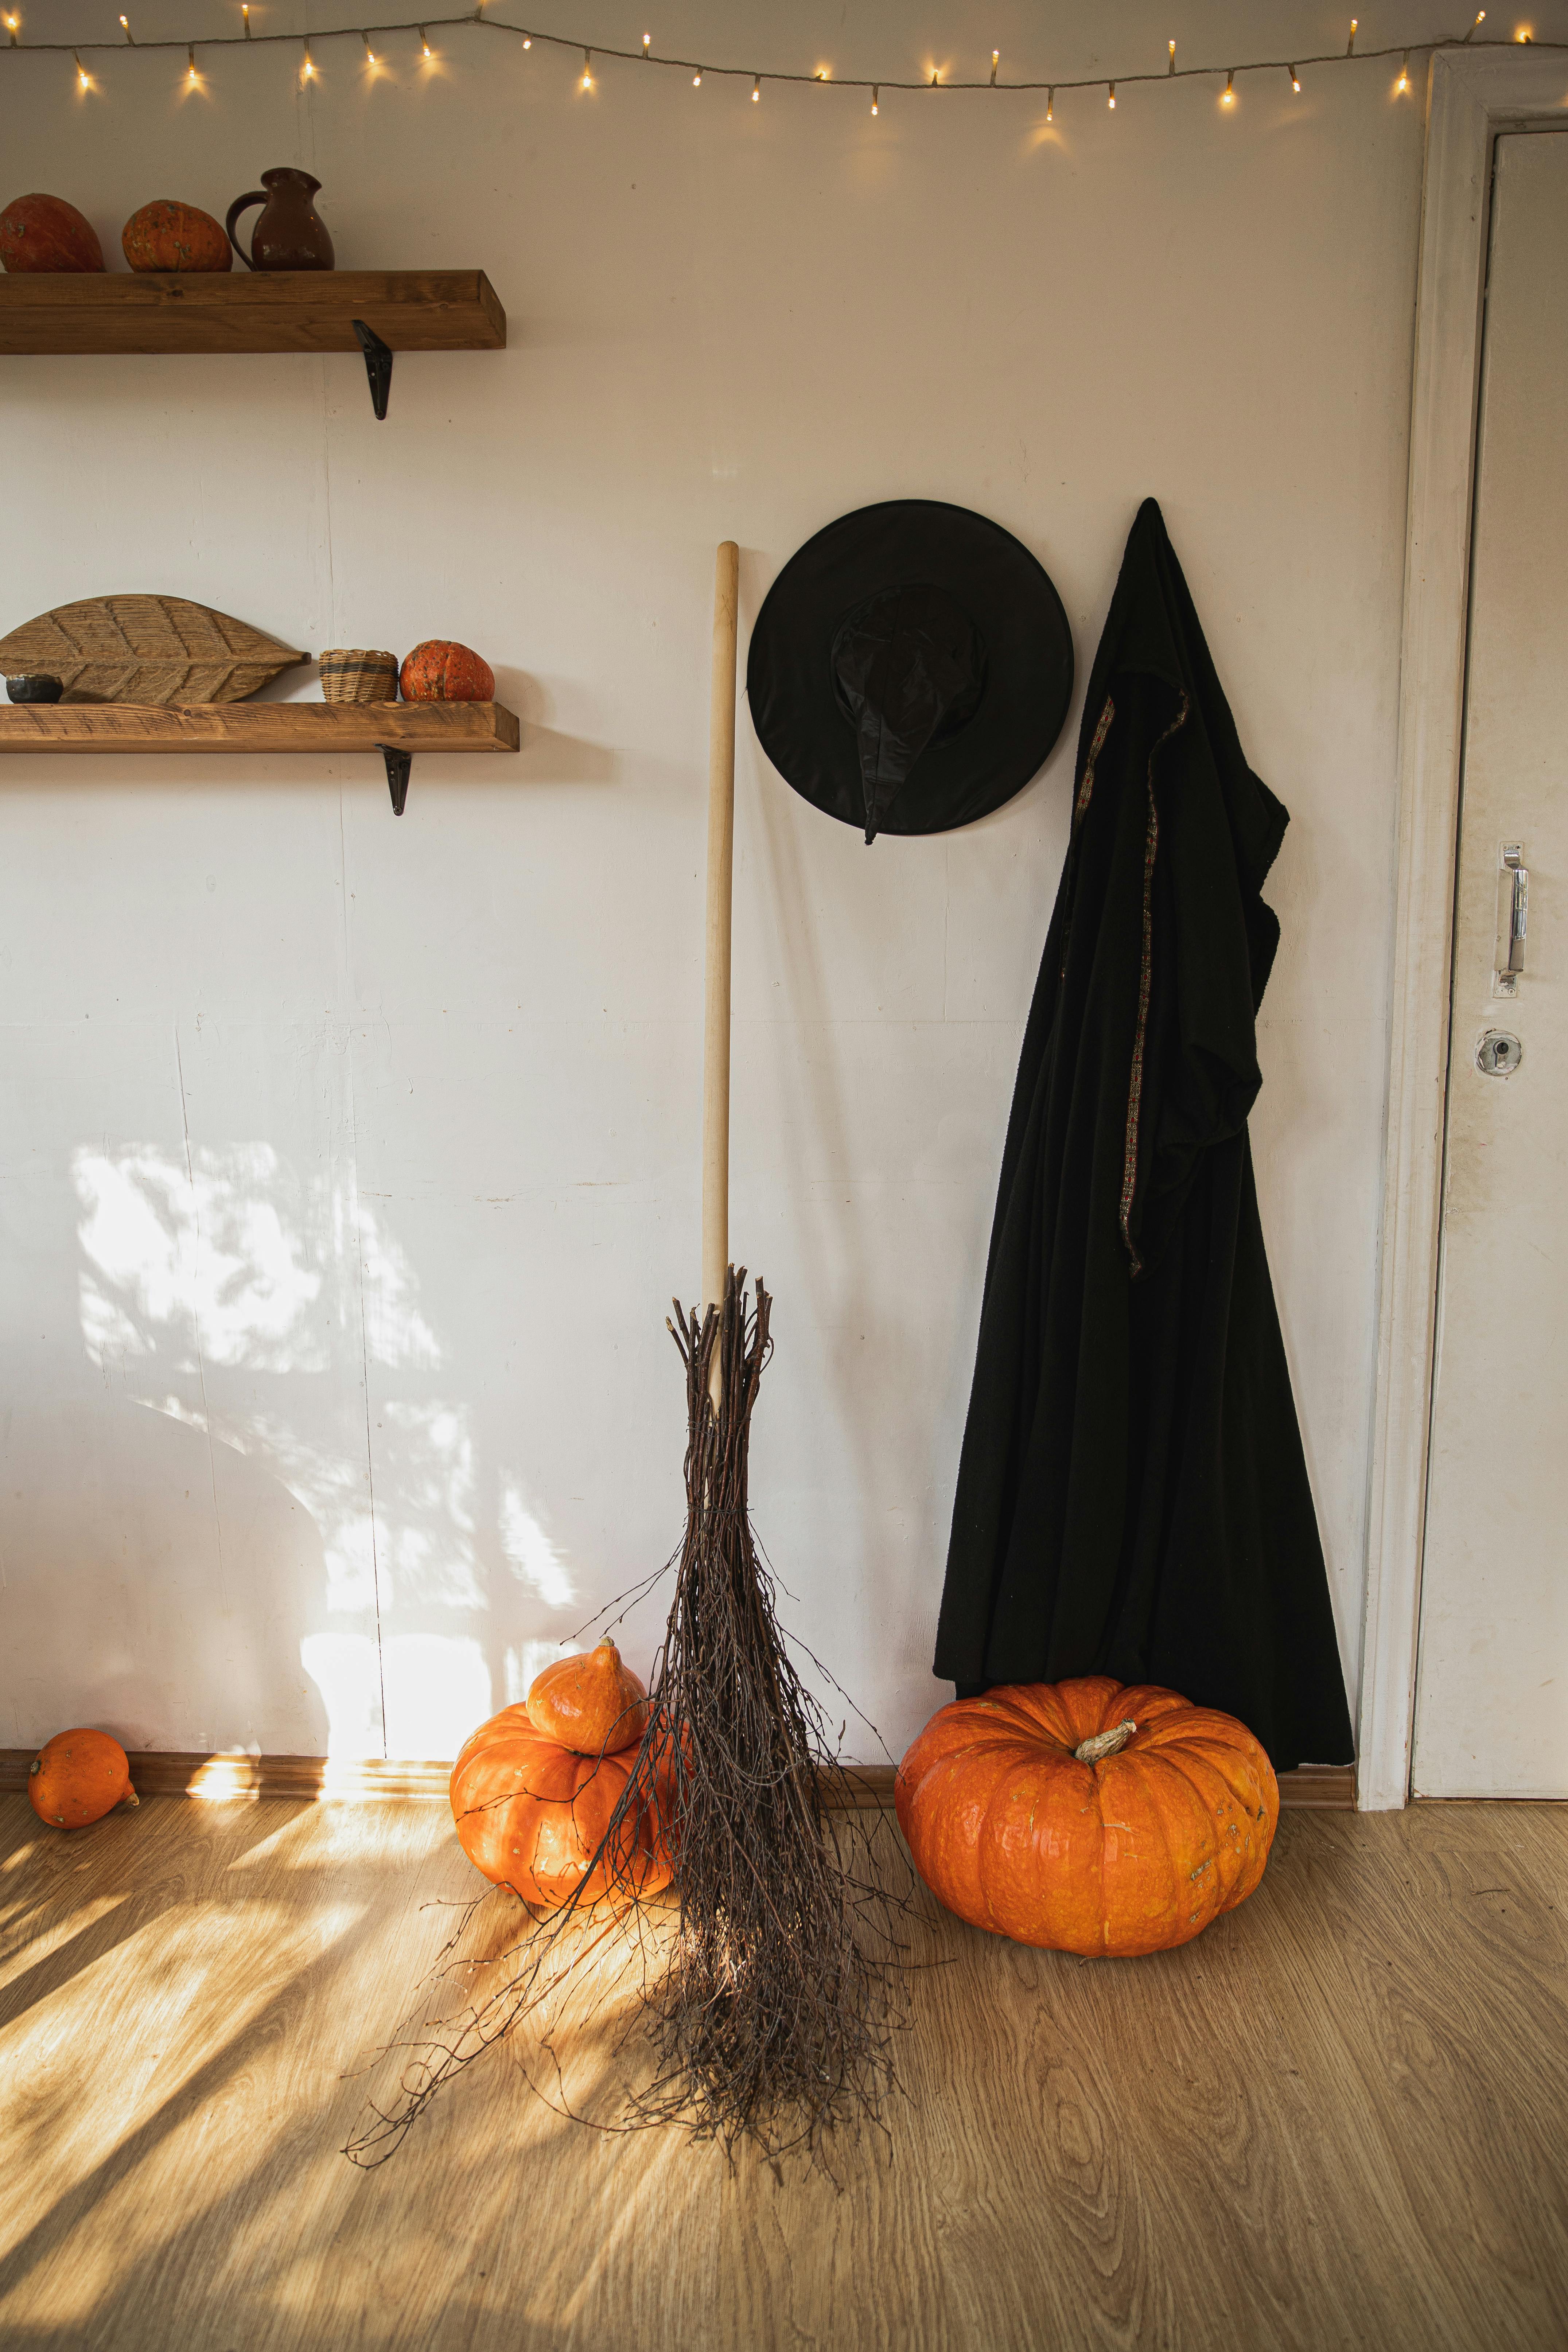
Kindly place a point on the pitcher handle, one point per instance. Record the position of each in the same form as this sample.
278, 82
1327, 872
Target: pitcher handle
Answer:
242, 205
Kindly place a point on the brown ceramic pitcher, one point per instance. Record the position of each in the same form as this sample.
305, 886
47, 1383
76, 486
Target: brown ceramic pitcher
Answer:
290, 234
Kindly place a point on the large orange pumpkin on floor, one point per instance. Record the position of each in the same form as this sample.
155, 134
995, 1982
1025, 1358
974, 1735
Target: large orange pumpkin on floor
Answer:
165, 234
1087, 1816
531, 1814
440, 670
77, 1777
43, 234
590, 1702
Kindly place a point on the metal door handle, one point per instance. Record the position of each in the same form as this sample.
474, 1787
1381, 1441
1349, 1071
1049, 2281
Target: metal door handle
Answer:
1512, 915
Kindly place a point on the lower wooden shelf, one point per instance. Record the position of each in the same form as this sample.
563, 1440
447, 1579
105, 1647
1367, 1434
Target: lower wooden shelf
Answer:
396, 729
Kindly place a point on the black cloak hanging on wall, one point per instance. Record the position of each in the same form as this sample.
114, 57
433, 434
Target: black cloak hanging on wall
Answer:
1132, 1497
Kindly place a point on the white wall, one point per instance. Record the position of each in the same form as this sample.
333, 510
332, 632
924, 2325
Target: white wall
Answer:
347, 1165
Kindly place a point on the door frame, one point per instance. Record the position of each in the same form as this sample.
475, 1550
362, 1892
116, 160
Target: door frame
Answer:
1472, 95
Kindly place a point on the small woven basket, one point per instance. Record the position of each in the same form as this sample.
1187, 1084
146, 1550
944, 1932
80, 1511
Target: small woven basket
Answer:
351, 674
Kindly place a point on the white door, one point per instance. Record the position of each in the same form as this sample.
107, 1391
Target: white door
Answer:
1491, 1703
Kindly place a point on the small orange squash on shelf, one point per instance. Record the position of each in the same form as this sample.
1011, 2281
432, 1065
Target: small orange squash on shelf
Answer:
531, 1814
77, 1777
169, 236
45, 236
590, 1702
440, 670
1087, 1816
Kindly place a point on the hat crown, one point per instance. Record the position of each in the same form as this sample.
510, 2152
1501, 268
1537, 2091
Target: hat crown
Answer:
908, 671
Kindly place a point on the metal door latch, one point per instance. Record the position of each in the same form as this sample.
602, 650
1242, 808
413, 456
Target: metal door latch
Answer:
1499, 1054
1513, 908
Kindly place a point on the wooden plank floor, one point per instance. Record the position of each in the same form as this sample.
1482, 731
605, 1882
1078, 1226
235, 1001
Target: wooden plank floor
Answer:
1336, 2120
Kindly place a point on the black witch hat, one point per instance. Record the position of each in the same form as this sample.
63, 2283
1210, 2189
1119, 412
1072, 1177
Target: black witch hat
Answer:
910, 667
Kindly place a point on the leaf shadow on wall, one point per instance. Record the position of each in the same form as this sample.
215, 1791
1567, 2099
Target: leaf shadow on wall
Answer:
346, 1593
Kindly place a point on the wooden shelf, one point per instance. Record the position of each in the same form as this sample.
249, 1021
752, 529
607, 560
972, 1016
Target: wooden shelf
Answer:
396, 729
270, 310
317, 728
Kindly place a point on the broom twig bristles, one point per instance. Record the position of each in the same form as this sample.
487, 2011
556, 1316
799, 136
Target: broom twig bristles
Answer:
769, 2004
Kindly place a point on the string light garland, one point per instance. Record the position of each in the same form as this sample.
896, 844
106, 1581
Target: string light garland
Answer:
822, 76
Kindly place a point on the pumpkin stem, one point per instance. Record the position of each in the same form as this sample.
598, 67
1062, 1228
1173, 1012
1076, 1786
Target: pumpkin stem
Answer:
1105, 1743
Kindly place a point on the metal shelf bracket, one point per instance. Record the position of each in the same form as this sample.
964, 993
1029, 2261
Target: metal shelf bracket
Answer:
399, 766
377, 366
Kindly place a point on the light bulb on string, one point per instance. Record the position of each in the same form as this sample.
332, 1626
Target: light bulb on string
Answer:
646, 43
1171, 67
125, 28
587, 80
1050, 105
1475, 28
756, 88
876, 97
528, 40
83, 78
696, 79
1294, 81
1403, 84
1228, 99
12, 26
425, 48
192, 77
1111, 99
308, 70
1524, 34
1349, 44
995, 61
245, 18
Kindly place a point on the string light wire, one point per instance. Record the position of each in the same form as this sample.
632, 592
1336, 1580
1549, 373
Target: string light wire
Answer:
934, 79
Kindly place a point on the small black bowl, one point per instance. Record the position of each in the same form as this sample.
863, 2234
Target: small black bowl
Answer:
33, 688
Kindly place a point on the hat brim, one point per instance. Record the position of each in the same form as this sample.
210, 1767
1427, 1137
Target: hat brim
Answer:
1007, 594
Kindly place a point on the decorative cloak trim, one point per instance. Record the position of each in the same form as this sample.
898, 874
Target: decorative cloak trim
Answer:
1145, 981
1087, 787
1079, 810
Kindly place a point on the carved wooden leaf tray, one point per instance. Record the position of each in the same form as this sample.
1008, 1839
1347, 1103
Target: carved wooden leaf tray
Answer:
155, 649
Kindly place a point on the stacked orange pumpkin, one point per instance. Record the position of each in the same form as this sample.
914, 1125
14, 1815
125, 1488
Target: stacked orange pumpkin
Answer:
536, 1787
1087, 1816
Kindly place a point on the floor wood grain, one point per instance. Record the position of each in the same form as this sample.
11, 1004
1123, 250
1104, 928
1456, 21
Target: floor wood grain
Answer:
1334, 2121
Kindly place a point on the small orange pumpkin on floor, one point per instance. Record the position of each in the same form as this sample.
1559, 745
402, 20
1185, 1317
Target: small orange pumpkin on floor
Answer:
590, 1702
1087, 1816
531, 1814
77, 1777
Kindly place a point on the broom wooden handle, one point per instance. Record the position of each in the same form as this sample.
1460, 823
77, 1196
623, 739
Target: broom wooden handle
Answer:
721, 868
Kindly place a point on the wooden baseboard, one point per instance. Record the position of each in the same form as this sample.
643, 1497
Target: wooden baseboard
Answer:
164, 1772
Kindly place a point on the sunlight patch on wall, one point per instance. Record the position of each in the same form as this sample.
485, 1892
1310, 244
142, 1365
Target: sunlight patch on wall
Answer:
530, 1554
346, 1670
221, 1243
395, 1332
437, 1692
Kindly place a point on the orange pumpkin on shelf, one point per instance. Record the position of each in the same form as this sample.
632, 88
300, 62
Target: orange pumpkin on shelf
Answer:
168, 235
592, 1703
1087, 1816
439, 670
43, 235
531, 1814
77, 1777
